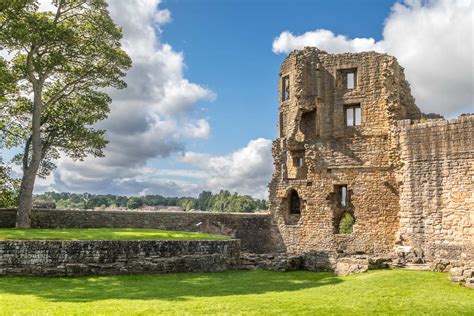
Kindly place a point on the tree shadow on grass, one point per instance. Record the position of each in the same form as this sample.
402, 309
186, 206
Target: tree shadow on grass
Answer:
174, 287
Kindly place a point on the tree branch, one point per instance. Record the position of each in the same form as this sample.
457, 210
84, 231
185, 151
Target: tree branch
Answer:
29, 65
58, 12
62, 93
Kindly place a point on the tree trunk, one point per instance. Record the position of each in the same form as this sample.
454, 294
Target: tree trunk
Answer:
26, 190
31, 166
23, 219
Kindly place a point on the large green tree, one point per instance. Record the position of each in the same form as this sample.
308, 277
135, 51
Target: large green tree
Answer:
61, 62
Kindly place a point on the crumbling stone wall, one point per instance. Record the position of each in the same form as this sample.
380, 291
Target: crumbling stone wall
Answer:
362, 158
437, 191
106, 257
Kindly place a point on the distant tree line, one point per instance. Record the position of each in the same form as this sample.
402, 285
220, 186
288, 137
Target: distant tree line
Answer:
223, 201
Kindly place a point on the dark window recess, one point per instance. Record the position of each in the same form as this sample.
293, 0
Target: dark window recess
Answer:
282, 125
285, 88
308, 124
295, 203
298, 162
347, 79
352, 115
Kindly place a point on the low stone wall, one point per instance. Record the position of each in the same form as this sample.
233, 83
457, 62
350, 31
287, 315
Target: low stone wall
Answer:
79, 258
254, 230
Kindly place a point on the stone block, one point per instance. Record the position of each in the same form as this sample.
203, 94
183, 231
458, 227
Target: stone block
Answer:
457, 279
348, 266
469, 283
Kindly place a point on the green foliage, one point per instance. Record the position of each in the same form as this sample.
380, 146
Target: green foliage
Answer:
64, 59
346, 224
206, 201
224, 201
187, 204
8, 187
101, 234
381, 292
134, 203
83, 201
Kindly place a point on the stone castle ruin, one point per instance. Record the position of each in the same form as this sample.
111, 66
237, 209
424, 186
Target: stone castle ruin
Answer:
362, 179
360, 169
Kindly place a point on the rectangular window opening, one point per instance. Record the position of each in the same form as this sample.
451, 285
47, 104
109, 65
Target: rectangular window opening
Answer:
308, 124
298, 162
285, 88
350, 80
342, 195
353, 115
357, 116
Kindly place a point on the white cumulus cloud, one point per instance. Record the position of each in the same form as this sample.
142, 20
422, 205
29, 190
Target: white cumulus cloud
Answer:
323, 39
154, 117
247, 170
432, 39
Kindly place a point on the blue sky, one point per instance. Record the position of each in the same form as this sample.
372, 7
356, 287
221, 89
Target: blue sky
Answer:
200, 109
228, 48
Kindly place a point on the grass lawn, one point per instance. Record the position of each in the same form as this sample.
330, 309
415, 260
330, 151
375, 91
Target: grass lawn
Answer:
382, 292
101, 234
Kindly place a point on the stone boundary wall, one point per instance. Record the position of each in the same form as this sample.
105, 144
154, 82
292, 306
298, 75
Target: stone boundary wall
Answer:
254, 230
80, 258
437, 191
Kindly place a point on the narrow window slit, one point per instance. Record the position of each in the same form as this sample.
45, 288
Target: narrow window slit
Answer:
285, 89
295, 203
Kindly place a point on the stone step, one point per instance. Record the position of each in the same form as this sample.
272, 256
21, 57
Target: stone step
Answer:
416, 266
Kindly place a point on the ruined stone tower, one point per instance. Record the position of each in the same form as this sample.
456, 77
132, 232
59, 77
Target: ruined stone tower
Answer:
359, 169
337, 151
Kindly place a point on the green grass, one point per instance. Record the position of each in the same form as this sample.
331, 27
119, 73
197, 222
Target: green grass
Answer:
382, 292
101, 234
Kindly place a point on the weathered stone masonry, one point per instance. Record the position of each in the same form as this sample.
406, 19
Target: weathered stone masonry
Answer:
318, 155
93, 257
254, 230
347, 148
437, 191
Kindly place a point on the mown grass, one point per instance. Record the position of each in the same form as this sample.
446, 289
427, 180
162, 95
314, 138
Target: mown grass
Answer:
101, 234
383, 292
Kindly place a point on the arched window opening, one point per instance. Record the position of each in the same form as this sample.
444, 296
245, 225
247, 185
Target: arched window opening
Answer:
295, 203
346, 224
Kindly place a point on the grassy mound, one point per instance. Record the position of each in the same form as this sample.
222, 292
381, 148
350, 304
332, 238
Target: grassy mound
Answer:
102, 234
383, 292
